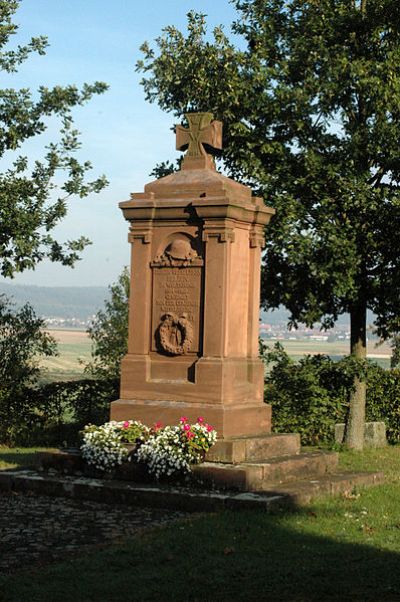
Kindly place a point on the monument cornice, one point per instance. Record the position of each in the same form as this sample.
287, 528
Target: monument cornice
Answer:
197, 183
252, 212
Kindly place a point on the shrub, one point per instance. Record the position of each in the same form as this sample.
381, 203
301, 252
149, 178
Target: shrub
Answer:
310, 396
23, 340
383, 399
54, 413
109, 331
307, 398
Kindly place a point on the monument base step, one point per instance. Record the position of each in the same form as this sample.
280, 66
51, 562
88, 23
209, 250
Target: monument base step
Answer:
247, 476
306, 490
236, 450
298, 477
261, 475
179, 498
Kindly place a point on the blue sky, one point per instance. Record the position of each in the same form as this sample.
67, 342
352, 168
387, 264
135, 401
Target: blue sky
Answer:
122, 135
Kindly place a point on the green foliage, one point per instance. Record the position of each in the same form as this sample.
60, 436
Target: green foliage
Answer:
308, 397
22, 341
383, 399
165, 168
109, 331
311, 396
32, 202
55, 413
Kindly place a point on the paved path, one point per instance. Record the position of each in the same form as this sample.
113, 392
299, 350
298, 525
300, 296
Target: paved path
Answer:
35, 530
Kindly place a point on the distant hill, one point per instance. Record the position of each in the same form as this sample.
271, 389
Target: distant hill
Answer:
58, 301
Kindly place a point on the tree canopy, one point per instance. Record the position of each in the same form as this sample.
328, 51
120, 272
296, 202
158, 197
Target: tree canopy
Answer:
32, 202
309, 94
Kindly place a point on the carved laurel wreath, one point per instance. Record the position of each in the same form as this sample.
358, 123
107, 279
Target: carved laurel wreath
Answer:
168, 327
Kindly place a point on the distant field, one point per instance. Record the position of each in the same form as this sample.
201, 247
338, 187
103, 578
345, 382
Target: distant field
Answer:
74, 347
335, 349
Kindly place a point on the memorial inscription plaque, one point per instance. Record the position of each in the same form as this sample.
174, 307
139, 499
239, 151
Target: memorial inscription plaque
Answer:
176, 298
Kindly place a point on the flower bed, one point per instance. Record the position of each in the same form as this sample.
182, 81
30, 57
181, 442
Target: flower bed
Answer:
165, 451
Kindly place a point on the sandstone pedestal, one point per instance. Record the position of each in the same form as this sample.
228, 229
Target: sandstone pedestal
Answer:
196, 240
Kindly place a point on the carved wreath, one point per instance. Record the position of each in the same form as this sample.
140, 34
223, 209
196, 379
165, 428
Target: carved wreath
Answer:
175, 334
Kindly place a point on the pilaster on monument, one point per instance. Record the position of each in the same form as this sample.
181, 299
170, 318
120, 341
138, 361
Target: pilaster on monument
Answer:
196, 239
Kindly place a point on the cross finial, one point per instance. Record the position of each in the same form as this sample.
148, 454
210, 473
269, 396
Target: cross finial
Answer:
202, 130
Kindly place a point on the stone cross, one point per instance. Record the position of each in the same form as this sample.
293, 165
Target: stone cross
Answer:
202, 130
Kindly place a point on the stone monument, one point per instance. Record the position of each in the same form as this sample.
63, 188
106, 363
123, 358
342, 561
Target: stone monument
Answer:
196, 238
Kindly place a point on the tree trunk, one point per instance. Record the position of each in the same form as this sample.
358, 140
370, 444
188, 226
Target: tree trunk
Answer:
354, 437
363, 6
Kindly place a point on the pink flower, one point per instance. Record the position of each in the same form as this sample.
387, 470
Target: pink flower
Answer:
200, 420
189, 434
186, 427
209, 428
126, 424
157, 425
183, 419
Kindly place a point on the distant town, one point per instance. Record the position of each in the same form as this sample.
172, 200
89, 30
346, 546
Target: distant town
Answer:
68, 323
277, 332
341, 332
271, 332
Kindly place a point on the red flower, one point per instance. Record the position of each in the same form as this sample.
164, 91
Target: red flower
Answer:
183, 419
200, 420
209, 428
157, 425
189, 434
126, 424
186, 427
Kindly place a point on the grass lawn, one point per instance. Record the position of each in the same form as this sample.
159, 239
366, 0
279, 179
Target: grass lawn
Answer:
17, 457
345, 548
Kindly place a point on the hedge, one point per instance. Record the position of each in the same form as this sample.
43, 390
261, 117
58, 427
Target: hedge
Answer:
54, 413
311, 396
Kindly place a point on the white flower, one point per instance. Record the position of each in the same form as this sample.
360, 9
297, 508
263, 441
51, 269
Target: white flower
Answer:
165, 451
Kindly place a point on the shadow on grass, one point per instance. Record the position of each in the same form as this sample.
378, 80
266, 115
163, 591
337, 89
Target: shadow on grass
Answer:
18, 458
225, 557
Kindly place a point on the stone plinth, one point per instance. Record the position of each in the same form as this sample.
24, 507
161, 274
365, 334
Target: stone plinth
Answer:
374, 434
196, 239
